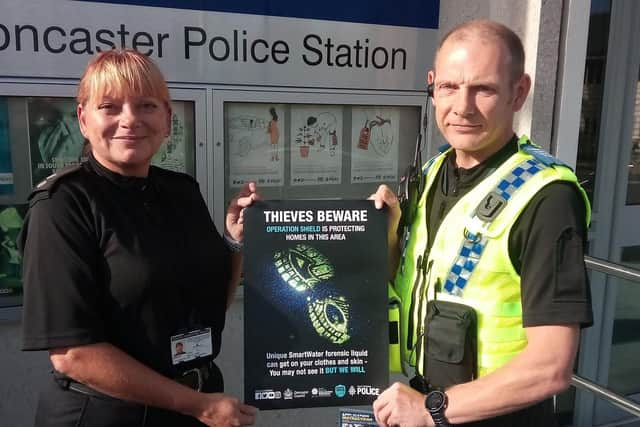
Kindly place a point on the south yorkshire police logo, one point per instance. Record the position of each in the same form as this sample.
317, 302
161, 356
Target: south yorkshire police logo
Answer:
341, 390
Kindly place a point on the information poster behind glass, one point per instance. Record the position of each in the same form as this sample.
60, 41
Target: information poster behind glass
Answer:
316, 134
175, 153
375, 136
11, 220
55, 140
255, 143
6, 168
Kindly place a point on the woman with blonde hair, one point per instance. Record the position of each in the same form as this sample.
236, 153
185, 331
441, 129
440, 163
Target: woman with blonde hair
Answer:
122, 261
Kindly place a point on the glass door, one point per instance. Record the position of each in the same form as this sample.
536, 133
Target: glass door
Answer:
610, 140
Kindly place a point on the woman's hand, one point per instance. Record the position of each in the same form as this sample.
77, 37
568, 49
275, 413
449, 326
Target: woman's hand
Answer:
234, 221
221, 410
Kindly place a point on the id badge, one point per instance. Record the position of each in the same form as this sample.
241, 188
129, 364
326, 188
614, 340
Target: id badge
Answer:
191, 345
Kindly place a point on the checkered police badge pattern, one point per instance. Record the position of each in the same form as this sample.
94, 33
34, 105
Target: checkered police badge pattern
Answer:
473, 244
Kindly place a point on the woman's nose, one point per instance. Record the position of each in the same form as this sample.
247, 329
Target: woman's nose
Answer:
128, 116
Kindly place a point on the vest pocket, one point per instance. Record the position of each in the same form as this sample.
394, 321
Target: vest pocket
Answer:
451, 343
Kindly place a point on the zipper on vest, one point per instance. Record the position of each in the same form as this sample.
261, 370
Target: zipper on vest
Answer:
422, 298
423, 269
414, 291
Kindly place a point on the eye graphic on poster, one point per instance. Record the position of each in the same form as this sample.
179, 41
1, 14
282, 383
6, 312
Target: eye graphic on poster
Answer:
303, 267
330, 318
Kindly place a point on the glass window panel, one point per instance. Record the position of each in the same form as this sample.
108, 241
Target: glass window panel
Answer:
298, 151
624, 371
593, 88
633, 184
6, 164
178, 152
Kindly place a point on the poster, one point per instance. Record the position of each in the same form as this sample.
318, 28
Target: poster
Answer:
55, 140
255, 141
316, 321
375, 134
6, 169
316, 144
11, 220
172, 154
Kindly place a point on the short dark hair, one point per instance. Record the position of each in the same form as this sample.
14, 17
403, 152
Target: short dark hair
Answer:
487, 30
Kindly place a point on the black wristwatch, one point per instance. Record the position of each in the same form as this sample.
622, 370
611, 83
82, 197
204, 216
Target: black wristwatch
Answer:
436, 402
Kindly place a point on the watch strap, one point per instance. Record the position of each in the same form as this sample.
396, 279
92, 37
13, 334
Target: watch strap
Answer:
232, 244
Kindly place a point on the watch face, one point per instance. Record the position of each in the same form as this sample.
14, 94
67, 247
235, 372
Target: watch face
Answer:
435, 401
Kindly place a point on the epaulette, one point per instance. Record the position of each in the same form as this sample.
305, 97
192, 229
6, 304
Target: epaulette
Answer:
45, 187
541, 155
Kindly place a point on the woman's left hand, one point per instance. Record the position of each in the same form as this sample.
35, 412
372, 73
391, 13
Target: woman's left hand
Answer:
234, 221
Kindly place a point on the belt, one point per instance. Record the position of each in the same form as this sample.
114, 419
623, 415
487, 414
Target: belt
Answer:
67, 383
193, 378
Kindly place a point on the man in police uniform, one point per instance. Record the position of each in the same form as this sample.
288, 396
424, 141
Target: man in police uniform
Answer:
500, 227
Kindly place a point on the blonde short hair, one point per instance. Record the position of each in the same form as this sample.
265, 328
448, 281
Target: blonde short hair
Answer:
121, 72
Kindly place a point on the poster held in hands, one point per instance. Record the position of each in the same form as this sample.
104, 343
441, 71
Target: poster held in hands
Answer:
316, 323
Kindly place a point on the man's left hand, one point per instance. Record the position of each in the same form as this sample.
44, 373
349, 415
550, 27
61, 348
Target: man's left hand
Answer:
400, 405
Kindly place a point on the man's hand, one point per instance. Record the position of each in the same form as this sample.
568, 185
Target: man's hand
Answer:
220, 410
234, 218
386, 196
402, 406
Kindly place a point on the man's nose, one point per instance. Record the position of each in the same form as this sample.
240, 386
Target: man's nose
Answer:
464, 104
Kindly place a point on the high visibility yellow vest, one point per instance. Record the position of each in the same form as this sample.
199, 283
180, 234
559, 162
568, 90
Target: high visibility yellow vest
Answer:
486, 281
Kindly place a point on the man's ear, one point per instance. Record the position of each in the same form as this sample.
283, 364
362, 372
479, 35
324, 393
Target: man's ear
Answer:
521, 91
431, 78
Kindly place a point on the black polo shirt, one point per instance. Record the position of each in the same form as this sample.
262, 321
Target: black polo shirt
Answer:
128, 261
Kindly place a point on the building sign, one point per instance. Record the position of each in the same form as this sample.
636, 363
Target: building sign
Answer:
44, 38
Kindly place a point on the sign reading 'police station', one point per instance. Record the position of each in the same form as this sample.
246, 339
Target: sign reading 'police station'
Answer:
55, 39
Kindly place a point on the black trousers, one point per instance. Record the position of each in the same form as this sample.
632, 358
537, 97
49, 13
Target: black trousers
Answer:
58, 407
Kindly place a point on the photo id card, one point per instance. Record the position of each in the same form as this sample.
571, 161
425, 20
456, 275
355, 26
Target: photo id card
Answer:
191, 345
